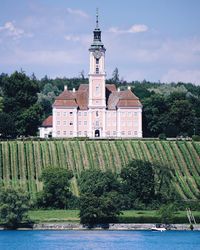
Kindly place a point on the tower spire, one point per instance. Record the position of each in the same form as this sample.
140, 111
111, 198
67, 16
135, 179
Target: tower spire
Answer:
97, 18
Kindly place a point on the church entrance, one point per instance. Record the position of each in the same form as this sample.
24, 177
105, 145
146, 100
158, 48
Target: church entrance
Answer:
97, 133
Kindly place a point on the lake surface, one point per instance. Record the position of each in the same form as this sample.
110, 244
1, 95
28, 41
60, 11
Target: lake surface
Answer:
112, 240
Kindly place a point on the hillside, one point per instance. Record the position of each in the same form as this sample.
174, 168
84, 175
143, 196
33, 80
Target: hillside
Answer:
21, 163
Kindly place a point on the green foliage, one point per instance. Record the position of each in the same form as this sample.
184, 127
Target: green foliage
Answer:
196, 137
56, 192
138, 180
7, 127
99, 197
14, 205
162, 136
167, 213
19, 99
96, 182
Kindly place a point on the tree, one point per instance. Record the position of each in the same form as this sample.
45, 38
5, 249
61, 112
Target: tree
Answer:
19, 95
56, 191
14, 205
115, 76
166, 213
99, 197
138, 181
7, 127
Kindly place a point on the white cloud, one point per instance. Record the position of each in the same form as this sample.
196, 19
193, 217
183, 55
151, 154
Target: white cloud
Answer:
136, 28
175, 75
72, 38
11, 30
77, 12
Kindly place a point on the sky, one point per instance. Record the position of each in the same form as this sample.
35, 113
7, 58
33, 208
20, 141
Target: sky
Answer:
155, 40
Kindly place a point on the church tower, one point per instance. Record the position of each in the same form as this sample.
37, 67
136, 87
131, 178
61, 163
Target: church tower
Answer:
97, 73
97, 78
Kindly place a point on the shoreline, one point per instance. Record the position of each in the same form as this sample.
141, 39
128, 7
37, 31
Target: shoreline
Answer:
109, 227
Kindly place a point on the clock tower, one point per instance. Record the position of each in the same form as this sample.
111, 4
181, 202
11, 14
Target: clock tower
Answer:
97, 78
97, 73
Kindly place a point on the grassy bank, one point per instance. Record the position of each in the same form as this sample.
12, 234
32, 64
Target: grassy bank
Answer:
130, 216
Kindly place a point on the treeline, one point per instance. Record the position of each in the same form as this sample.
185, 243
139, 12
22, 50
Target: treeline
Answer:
170, 110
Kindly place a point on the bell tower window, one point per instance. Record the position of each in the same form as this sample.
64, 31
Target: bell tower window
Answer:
97, 61
97, 70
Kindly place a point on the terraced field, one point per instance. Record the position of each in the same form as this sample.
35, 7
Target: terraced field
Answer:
21, 163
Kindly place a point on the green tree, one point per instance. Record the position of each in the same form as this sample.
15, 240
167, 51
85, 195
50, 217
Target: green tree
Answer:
14, 205
7, 127
19, 95
99, 197
138, 181
56, 188
167, 213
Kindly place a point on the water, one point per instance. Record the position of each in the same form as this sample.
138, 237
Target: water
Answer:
112, 240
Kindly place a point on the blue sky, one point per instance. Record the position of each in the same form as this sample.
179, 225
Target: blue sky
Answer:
156, 40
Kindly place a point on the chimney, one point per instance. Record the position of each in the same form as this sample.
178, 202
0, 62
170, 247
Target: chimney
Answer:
74, 90
129, 87
65, 87
118, 89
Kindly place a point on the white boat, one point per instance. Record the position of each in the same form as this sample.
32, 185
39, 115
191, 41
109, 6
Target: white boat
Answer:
159, 229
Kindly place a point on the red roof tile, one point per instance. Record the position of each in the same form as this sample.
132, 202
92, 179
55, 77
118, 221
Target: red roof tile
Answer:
114, 99
48, 122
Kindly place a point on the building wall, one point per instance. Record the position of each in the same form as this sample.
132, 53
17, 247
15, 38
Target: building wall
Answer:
110, 123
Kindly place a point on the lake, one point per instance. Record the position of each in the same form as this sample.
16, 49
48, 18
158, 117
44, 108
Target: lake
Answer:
112, 240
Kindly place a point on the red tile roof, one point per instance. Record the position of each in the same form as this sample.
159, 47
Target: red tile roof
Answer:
48, 122
114, 99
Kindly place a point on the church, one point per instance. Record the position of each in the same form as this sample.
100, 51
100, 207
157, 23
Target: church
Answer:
97, 109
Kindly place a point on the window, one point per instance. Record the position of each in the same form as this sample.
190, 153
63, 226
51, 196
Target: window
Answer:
129, 132
129, 114
58, 113
64, 132
97, 113
65, 123
79, 123
97, 89
114, 133
85, 113
85, 122
85, 133
71, 113
58, 132
79, 113
71, 132
64, 113
135, 132
135, 113
58, 122
79, 132
97, 70
97, 123
97, 61
122, 133
71, 123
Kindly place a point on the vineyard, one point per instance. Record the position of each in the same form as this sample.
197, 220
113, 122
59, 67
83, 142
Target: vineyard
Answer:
21, 163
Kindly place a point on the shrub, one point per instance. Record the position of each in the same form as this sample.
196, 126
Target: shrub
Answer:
196, 137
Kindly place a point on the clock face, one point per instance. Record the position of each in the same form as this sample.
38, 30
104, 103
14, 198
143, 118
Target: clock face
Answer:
97, 54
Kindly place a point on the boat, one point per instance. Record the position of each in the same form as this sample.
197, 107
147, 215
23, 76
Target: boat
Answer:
159, 229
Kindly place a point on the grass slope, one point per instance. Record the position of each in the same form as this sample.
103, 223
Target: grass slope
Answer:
21, 163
